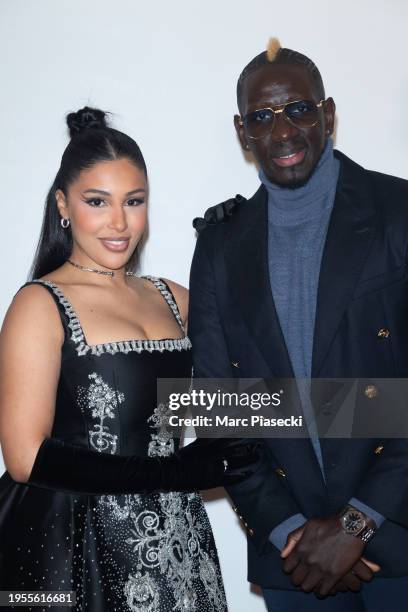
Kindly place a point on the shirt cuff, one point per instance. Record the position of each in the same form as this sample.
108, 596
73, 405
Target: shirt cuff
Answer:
373, 514
279, 534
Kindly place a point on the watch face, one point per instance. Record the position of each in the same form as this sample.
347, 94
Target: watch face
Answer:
353, 522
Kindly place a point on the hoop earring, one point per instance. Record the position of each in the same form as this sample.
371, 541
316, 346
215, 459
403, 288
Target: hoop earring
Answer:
64, 222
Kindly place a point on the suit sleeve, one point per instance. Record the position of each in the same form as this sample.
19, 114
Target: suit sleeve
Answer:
261, 501
370, 512
385, 485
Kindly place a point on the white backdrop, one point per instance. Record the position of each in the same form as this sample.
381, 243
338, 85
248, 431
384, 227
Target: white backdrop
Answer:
167, 70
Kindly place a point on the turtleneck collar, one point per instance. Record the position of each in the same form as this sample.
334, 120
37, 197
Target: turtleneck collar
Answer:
295, 206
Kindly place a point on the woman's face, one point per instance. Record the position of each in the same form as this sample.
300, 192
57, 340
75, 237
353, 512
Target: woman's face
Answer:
106, 206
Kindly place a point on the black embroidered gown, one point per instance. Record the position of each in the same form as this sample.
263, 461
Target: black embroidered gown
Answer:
140, 552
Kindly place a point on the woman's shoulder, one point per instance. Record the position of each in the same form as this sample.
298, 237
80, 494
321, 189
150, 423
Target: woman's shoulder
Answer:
33, 310
33, 296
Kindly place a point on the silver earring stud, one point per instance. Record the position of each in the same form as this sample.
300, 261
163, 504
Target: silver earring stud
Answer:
64, 222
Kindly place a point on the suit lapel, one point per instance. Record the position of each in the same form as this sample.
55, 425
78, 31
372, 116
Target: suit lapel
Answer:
246, 255
349, 236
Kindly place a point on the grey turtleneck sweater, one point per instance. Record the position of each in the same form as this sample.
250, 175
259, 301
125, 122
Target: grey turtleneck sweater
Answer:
297, 226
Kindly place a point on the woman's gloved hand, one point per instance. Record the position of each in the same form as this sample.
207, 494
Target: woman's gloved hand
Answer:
208, 463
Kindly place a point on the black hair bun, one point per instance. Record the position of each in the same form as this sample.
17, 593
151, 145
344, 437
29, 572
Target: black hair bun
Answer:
84, 119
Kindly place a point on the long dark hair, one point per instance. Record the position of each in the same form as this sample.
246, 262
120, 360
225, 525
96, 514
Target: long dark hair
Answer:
92, 141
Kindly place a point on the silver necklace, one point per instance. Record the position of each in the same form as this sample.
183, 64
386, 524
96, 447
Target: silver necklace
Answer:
103, 272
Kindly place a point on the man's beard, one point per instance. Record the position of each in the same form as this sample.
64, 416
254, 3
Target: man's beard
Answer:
295, 184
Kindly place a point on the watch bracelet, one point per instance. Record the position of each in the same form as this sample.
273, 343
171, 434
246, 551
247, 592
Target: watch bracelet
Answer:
366, 535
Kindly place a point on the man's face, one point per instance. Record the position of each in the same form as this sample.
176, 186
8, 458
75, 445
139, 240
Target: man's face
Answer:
287, 154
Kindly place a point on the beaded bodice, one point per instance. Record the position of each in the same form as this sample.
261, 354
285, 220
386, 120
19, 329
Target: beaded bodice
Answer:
108, 390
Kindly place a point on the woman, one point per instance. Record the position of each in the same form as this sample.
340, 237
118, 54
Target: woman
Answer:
87, 451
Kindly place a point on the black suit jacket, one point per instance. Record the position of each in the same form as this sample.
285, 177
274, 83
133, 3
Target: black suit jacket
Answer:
362, 288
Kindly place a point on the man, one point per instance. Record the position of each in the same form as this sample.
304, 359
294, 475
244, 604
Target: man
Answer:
308, 278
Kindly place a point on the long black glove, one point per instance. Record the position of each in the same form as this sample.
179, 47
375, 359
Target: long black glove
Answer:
62, 466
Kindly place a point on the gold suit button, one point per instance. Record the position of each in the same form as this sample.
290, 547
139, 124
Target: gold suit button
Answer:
251, 531
235, 364
280, 472
379, 450
383, 333
371, 391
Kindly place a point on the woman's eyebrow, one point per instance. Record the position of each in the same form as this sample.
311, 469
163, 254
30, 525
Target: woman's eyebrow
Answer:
103, 192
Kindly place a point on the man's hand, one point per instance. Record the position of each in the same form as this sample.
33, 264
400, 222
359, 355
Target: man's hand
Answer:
349, 582
294, 537
321, 557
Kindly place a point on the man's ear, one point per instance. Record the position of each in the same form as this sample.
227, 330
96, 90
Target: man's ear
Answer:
62, 204
329, 109
241, 132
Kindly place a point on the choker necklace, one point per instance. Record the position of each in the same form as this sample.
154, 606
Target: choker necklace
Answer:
103, 272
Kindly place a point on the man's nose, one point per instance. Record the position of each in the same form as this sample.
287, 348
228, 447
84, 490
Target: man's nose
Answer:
282, 129
117, 219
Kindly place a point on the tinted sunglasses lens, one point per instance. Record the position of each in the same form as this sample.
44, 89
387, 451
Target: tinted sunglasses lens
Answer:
303, 114
259, 122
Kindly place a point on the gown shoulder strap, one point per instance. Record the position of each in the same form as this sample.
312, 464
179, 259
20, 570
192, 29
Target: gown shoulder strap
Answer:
62, 304
167, 293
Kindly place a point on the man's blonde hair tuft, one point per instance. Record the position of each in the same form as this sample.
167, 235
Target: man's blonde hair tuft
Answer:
272, 49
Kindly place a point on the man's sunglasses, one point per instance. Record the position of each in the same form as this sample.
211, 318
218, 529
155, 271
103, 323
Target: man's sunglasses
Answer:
300, 113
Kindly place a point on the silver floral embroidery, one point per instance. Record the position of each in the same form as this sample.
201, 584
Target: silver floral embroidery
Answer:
145, 536
170, 541
120, 511
141, 593
161, 443
102, 402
